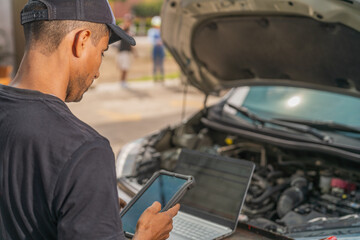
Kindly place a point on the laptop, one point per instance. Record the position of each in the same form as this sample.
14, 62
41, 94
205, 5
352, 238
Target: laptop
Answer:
211, 209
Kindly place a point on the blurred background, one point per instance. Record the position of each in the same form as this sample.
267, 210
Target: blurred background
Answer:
142, 12
122, 114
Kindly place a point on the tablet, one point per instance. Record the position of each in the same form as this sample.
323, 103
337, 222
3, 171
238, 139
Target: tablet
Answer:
164, 187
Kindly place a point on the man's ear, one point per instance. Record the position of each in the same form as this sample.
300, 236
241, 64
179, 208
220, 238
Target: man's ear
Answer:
82, 38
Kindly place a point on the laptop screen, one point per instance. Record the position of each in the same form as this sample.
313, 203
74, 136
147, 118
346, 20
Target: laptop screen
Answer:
221, 184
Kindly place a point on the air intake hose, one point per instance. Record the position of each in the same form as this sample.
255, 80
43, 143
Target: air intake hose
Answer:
292, 196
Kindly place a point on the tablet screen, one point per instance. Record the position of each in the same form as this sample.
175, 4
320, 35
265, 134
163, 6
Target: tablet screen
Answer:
162, 190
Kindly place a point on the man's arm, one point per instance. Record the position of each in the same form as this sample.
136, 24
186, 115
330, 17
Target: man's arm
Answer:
85, 202
87, 205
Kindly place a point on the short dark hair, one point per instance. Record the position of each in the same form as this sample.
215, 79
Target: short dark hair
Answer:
51, 33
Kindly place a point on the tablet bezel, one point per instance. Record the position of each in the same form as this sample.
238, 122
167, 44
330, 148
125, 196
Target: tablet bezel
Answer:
175, 199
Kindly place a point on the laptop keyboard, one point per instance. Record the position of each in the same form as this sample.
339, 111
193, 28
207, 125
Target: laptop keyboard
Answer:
195, 228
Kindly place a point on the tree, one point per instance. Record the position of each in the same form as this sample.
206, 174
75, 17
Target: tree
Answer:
147, 9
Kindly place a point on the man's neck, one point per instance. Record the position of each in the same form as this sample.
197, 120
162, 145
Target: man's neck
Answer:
46, 74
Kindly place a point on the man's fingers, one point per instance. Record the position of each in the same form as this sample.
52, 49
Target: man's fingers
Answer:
173, 211
122, 203
155, 207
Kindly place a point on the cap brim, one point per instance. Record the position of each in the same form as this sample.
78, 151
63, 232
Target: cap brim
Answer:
119, 34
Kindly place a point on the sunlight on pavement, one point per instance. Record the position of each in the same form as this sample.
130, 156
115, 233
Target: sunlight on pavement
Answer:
189, 103
119, 117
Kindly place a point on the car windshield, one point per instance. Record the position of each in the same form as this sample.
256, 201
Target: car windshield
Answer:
299, 104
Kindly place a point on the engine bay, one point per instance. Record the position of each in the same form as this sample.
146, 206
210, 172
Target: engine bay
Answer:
292, 191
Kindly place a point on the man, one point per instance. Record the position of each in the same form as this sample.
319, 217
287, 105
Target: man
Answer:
158, 52
57, 176
125, 52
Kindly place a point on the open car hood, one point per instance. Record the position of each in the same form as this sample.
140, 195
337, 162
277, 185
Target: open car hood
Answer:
228, 43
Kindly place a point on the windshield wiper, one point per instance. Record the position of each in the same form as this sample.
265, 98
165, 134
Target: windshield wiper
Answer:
293, 126
323, 125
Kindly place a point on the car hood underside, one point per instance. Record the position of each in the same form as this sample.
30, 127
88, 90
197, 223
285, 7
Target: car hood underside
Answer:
278, 49
269, 45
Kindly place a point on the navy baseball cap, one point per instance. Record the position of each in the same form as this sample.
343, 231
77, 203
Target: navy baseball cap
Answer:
97, 11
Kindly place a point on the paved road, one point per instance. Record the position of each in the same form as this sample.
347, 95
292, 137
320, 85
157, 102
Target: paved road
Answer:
123, 115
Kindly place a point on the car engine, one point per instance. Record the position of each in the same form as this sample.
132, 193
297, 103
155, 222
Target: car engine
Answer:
291, 190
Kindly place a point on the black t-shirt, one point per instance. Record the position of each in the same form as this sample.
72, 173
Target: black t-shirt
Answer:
57, 174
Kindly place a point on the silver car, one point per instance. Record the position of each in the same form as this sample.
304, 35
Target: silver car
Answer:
293, 68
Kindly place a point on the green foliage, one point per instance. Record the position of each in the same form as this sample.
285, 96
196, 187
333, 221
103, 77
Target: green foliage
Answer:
144, 23
174, 75
139, 21
147, 9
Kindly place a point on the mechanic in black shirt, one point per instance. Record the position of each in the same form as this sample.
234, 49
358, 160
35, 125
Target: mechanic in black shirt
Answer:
57, 174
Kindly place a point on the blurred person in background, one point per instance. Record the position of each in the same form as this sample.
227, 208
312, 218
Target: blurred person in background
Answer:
125, 52
158, 51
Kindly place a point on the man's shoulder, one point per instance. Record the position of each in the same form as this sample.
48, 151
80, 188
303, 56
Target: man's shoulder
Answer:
52, 117
50, 126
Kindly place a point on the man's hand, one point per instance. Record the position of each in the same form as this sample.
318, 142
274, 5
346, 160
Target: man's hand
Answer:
155, 225
122, 203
